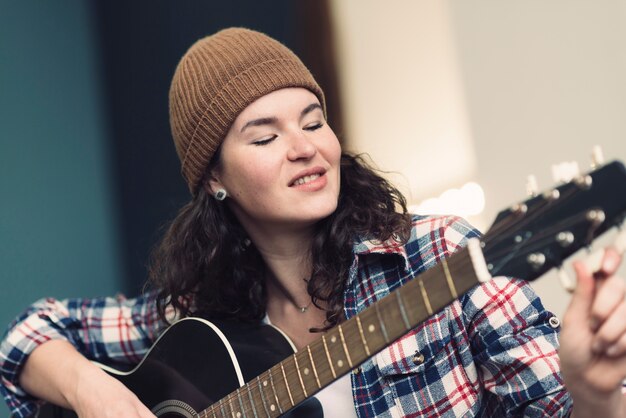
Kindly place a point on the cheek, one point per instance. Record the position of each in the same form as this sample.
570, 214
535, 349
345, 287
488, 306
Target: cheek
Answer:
333, 154
251, 180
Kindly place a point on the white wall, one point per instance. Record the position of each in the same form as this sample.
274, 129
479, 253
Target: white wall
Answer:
451, 91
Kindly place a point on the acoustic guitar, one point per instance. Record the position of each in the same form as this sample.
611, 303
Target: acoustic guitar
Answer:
207, 369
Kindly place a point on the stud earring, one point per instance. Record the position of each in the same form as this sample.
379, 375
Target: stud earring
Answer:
220, 194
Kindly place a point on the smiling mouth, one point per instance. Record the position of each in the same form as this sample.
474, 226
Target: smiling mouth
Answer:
305, 179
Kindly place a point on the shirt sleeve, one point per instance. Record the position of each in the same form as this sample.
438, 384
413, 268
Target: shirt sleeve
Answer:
514, 343
103, 329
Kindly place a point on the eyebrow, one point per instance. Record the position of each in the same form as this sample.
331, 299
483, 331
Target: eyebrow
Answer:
273, 119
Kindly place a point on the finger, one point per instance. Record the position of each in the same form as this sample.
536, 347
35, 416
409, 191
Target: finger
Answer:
611, 330
607, 299
610, 263
582, 299
618, 348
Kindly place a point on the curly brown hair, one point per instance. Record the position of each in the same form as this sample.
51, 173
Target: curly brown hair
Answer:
206, 266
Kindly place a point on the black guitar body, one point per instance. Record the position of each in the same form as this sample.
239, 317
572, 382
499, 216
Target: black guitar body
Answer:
195, 363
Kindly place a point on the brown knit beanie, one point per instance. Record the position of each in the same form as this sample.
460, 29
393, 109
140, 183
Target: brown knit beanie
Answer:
215, 80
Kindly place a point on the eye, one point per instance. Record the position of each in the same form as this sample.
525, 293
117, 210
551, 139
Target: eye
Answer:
264, 141
313, 127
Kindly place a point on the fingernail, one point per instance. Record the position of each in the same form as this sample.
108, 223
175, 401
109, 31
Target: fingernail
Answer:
612, 350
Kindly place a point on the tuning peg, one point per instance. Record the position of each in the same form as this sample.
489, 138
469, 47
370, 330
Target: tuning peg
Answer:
584, 182
536, 260
531, 186
565, 171
566, 280
597, 157
594, 260
565, 238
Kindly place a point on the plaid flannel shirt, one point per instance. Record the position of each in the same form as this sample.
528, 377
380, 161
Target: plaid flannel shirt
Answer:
490, 353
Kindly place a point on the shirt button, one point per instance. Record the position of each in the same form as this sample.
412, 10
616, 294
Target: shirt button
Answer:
418, 358
554, 322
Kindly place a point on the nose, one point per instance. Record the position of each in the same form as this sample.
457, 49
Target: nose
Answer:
301, 147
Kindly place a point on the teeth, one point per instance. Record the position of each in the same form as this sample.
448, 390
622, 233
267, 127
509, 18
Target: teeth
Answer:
305, 179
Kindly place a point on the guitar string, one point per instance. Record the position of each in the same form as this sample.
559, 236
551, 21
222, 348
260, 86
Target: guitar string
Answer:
535, 243
247, 390
549, 231
535, 211
493, 238
496, 234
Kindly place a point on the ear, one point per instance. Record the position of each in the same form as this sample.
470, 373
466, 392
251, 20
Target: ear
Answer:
213, 184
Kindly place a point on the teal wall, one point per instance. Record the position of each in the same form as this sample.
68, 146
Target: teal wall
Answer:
57, 220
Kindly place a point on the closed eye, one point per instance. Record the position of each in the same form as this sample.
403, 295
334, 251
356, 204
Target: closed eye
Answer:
314, 127
265, 141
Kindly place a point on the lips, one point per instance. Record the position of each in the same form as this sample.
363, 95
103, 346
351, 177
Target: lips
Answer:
307, 176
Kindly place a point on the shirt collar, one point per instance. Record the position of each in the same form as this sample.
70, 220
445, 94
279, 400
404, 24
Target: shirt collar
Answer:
392, 246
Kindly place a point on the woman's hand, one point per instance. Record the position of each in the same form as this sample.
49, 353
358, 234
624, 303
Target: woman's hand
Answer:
57, 373
98, 395
593, 341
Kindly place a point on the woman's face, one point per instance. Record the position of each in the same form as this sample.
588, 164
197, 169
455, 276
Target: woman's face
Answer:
280, 162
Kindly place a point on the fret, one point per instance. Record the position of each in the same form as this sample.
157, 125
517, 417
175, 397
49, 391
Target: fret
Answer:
260, 386
282, 369
343, 343
462, 271
317, 379
305, 369
443, 283
376, 338
380, 321
222, 410
405, 319
272, 408
230, 403
376, 326
321, 361
295, 360
358, 322
350, 335
449, 280
330, 362
242, 409
205, 413
425, 296
250, 386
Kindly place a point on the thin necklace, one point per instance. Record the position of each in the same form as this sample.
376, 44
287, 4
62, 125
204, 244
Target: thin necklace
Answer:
303, 309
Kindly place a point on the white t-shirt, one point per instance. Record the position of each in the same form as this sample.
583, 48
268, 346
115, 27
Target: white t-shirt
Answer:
335, 399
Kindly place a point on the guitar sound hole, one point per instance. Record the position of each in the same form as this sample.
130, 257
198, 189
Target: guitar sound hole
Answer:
173, 409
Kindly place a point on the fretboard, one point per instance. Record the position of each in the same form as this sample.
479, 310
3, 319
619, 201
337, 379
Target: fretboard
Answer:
349, 344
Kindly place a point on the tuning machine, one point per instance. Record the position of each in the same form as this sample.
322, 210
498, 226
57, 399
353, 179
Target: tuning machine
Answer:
531, 186
566, 280
597, 157
564, 172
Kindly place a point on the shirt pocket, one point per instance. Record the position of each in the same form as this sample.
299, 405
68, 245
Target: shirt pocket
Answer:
417, 350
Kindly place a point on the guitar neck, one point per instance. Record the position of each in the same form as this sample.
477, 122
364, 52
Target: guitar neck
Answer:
349, 344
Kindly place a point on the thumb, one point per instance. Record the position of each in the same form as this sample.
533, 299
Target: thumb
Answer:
582, 300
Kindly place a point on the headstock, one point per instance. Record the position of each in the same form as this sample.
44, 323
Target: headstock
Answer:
536, 235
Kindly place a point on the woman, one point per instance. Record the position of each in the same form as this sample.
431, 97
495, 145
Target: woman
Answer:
284, 227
